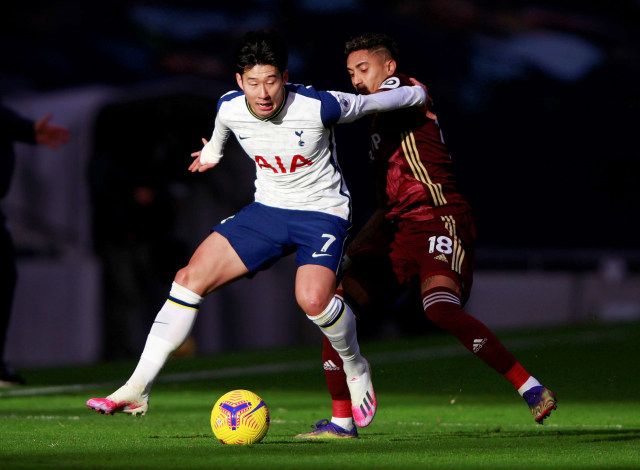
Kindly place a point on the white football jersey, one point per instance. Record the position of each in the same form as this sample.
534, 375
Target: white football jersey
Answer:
294, 150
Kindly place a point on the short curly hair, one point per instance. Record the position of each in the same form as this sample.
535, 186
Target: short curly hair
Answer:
372, 42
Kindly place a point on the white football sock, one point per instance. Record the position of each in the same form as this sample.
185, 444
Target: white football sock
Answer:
169, 330
344, 423
528, 385
338, 323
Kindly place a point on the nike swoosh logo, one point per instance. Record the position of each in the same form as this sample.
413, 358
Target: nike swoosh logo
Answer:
316, 255
242, 138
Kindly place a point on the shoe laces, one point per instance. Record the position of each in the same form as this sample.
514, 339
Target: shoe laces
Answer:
533, 395
320, 424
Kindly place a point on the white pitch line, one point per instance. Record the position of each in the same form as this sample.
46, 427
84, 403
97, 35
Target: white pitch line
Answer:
168, 378
439, 352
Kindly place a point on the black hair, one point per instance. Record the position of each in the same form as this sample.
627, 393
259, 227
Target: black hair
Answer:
262, 47
372, 42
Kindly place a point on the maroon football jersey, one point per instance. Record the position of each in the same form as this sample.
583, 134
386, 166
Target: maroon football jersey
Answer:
420, 181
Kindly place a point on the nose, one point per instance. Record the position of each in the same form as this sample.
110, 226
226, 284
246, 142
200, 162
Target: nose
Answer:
263, 93
356, 81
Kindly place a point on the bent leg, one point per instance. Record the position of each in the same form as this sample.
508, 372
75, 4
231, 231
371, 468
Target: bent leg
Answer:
315, 287
368, 284
315, 293
441, 302
213, 265
336, 380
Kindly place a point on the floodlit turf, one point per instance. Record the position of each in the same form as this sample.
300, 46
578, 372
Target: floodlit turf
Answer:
439, 407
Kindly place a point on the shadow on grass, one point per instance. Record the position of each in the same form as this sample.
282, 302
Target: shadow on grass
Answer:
619, 435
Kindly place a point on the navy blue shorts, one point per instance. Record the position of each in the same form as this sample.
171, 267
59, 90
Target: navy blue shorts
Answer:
261, 235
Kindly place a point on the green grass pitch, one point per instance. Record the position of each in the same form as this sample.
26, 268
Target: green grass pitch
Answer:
439, 408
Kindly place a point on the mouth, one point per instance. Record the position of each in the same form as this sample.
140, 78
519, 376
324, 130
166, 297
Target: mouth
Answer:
265, 107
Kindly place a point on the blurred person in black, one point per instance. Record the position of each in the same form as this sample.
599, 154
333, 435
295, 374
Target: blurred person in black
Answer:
15, 128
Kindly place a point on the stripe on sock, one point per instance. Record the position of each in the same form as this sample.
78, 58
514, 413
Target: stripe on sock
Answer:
337, 317
331, 314
436, 297
185, 295
182, 303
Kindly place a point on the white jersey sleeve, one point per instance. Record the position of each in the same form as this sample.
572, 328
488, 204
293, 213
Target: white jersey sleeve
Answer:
213, 150
353, 107
294, 150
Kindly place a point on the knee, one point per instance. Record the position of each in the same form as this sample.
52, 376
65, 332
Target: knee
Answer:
442, 307
315, 287
184, 277
312, 303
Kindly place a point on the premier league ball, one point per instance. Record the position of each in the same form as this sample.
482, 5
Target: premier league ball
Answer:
240, 417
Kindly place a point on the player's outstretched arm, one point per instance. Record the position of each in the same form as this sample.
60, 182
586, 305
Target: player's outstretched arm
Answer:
197, 165
356, 106
211, 153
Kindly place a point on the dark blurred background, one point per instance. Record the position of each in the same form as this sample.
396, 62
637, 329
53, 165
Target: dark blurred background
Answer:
538, 100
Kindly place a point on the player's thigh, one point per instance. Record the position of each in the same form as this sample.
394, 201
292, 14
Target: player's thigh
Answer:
213, 264
449, 280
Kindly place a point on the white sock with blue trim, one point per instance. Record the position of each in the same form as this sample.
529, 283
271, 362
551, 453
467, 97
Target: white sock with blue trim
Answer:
169, 330
345, 423
338, 323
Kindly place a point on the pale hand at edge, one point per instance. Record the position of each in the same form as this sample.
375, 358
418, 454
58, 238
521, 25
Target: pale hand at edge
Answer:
196, 166
424, 107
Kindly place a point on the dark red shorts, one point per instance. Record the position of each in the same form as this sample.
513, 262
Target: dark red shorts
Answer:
410, 250
440, 246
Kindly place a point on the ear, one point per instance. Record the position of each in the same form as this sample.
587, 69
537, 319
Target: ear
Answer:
285, 76
391, 67
239, 80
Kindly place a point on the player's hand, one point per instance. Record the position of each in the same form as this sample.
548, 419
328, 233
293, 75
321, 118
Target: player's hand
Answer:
196, 166
48, 134
415, 82
424, 108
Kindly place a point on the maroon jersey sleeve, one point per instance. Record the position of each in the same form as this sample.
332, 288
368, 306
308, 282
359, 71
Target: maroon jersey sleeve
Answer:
420, 183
